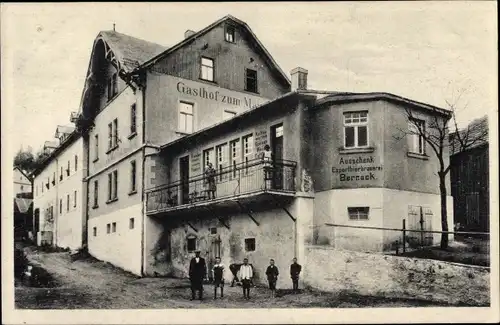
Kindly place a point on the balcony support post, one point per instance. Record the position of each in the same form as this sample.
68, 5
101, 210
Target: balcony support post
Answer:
247, 212
220, 219
284, 208
192, 227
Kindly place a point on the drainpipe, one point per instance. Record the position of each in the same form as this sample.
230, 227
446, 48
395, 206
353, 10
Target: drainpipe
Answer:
86, 143
143, 214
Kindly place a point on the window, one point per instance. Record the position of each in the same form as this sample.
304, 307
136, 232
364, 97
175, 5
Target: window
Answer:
207, 69
249, 244
221, 152
22, 187
185, 117
191, 244
113, 134
131, 223
96, 194
112, 86
112, 185
133, 125
358, 213
114, 227
74, 200
213, 231
229, 35
208, 157
356, 129
416, 130
226, 115
247, 150
76, 163
69, 169
132, 176
61, 176
67, 202
60, 206
96, 147
94, 231
234, 154
108, 228
251, 80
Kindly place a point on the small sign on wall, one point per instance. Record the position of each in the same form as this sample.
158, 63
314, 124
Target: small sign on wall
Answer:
196, 163
260, 141
357, 169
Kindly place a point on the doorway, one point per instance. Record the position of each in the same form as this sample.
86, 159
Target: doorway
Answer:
184, 176
277, 152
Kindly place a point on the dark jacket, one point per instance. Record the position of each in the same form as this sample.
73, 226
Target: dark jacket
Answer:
272, 273
295, 269
197, 271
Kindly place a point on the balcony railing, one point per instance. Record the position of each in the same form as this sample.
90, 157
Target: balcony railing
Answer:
254, 176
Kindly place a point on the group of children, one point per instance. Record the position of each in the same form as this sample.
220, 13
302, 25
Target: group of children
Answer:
246, 275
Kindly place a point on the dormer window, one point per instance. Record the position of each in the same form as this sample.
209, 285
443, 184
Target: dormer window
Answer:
251, 80
229, 34
112, 86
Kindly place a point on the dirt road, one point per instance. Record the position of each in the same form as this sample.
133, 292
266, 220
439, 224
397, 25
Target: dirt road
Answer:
93, 284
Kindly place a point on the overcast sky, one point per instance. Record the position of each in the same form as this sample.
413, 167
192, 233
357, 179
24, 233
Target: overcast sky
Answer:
427, 51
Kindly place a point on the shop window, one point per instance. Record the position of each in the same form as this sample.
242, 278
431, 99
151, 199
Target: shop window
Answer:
229, 34
416, 132
250, 244
356, 130
207, 69
251, 80
358, 213
191, 244
186, 117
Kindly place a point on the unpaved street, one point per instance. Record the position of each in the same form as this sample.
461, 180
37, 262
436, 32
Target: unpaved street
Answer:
93, 284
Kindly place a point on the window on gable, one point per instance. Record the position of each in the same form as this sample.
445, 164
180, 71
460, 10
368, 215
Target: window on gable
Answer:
356, 129
416, 131
229, 34
112, 86
251, 80
207, 69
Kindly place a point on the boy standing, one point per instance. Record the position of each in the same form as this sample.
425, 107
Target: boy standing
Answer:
272, 277
218, 275
295, 269
246, 275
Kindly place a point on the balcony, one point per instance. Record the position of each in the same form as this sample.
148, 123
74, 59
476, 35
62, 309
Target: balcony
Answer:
247, 180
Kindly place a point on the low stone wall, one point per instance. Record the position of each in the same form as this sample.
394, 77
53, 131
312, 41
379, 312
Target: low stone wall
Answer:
330, 269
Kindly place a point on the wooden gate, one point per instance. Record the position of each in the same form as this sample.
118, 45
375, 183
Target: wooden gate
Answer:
419, 218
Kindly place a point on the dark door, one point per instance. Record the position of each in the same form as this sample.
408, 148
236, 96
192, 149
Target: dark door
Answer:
277, 151
184, 171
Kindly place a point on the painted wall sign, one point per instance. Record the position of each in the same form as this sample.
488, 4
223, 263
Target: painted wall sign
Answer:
307, 184
215, 95
357, 169
260, 141
196, 163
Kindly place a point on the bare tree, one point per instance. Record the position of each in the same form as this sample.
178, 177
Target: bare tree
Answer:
442, 134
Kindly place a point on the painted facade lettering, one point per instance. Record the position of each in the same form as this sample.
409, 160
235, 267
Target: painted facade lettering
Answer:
357, 169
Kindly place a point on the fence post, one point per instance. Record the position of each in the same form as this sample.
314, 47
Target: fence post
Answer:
421, 228
404, 236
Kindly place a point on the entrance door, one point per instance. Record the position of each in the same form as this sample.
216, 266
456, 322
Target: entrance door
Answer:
184, 173
277, 151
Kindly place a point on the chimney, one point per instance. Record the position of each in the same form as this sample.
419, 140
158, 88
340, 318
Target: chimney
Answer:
299, 79
188, 33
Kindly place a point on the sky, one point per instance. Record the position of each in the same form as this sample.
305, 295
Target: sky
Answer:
431, 52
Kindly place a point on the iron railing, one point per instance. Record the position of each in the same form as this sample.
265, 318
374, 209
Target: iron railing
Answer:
248, 177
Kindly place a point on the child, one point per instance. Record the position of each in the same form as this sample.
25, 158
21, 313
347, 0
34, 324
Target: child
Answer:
218, 275
246, 274
295, 269
272, 277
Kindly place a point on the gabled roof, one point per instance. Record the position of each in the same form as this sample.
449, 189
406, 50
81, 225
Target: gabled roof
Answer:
478, 136
130, 52
63, 129
22, 172
205, 30
50, 144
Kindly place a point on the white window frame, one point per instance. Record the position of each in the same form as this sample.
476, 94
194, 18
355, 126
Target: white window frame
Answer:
356, 120
417, 142
228, 36
247, 148
208, 156
187, 115
355, 213
221, 152
207, 68
234, 154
